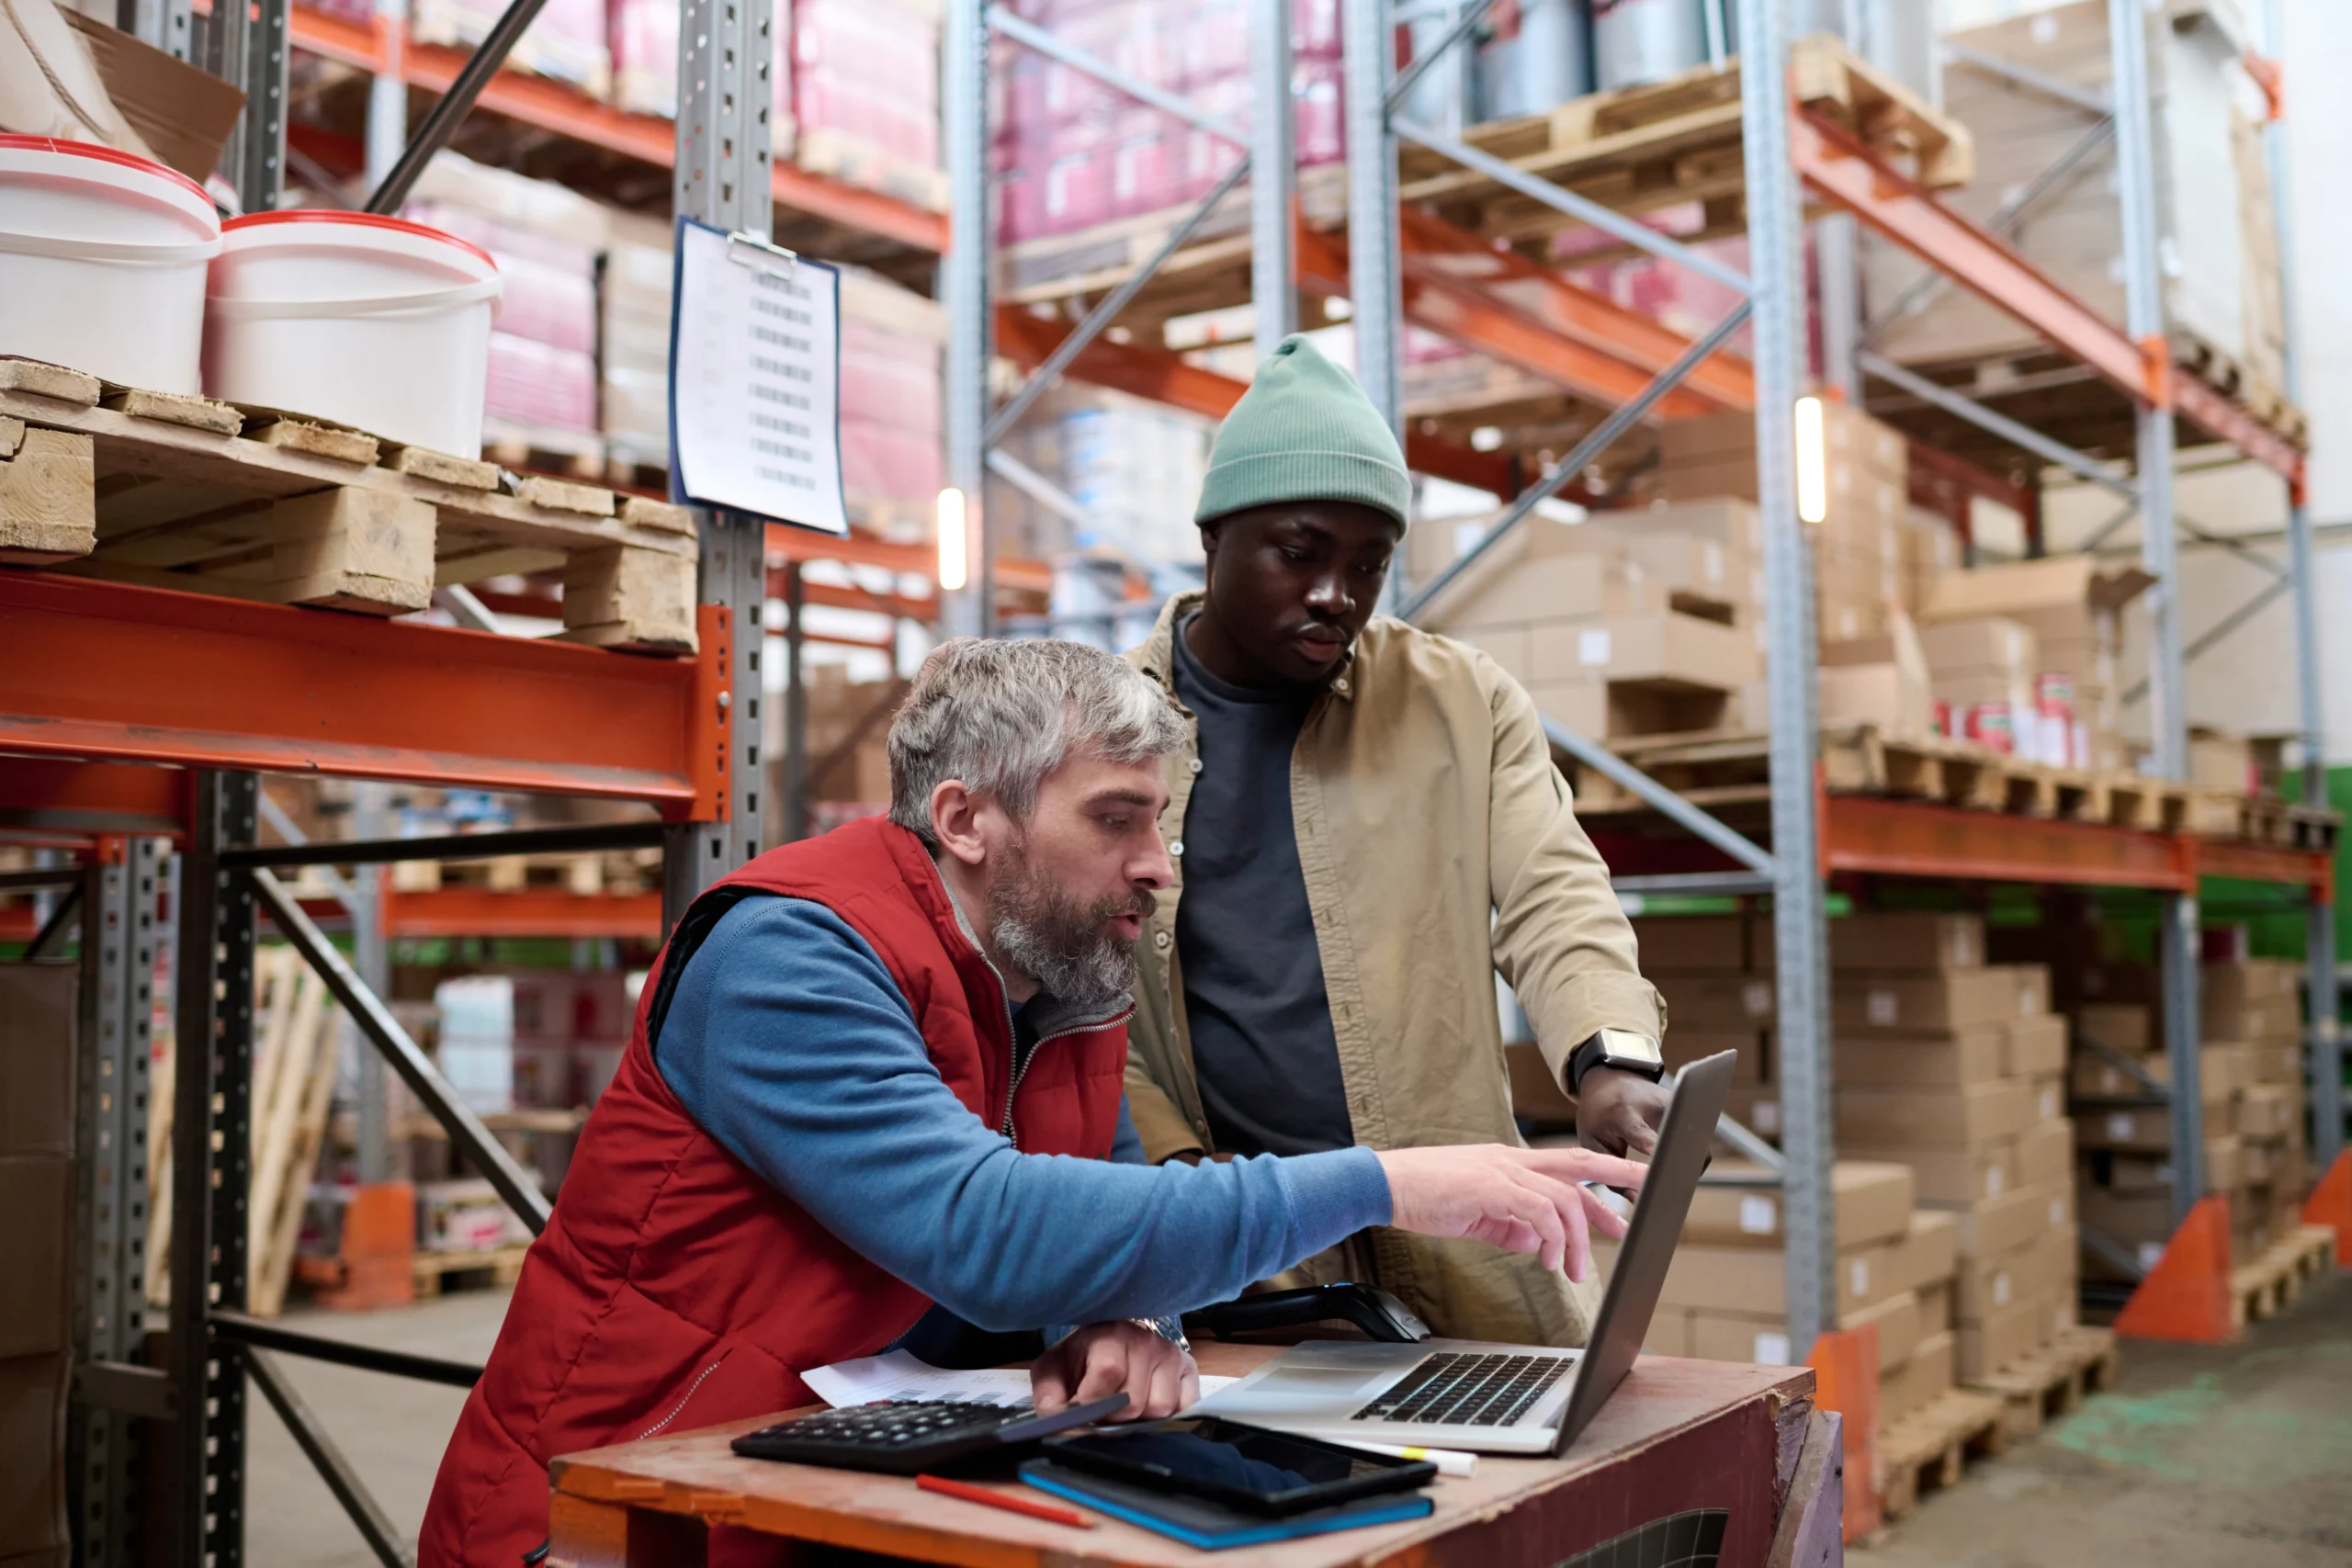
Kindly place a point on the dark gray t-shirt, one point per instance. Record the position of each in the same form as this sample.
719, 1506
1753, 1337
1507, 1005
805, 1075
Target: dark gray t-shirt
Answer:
1262, 1046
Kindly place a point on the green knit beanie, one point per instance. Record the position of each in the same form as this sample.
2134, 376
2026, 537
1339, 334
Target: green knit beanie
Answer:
1304, 431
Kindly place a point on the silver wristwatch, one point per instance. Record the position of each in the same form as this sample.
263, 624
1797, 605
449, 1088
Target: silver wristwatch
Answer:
1168, 1328
1620, 1048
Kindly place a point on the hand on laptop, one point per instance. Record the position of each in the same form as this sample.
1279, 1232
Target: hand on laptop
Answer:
1103, 1358
1519, 1200
1620, 1112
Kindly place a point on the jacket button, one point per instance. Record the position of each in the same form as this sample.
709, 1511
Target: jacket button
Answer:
1159, 941
1177, 849
1194, 764
1340, 685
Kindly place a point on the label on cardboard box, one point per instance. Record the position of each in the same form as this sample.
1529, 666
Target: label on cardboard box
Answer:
1858, 1278
1758, 1215
2049, 1102
1593, 646
1756, 998
1882, 1008
1772, 1349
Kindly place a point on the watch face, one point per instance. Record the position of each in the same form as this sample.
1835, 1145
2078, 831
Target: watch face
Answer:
1624, 1045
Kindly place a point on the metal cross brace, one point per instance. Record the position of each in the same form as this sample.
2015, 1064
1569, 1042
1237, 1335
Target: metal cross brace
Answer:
2218, 629
1703, 824
1031, 35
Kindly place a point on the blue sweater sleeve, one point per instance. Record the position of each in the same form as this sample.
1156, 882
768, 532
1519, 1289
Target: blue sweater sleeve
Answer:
789, 1041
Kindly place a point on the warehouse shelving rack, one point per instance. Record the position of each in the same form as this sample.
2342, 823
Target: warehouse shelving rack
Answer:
1586, 345
141, 729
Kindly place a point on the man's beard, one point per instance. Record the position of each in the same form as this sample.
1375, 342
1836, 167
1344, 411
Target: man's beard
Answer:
1069, 948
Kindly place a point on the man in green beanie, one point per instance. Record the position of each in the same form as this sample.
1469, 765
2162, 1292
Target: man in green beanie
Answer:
1366, 827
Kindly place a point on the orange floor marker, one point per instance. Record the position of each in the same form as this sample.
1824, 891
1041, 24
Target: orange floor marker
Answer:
1845, 1371
378, 1249
2187, 1295
2330, 1204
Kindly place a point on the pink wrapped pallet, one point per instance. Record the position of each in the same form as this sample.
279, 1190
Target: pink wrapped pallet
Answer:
865, 81
566, 41
550, 283
535, 384
642, 36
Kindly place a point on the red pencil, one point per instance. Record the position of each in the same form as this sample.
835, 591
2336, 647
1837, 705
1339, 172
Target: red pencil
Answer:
1009, 1502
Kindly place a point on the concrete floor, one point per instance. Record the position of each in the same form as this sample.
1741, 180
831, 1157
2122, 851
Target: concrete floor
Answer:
2240, 1454
2234, 1455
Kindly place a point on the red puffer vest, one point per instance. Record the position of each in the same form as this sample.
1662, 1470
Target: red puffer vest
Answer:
675, 1288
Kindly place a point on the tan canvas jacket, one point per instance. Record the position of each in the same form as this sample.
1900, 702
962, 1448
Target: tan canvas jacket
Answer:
1438, 847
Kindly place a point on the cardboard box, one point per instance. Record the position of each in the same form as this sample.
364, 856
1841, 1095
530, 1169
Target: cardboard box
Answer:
1873, 1203
2128, 1027
1928, 1252
1900, 940
1946, 1175
1756, 1107
1887, 696
183, 112
1950, 998
1993, 1227
1897, 1320
1935, 1306
1681, 1047
1969, 1117
1535, 1094
1983, 1287
32, 1436
1988, 1344
2049, 1092
2221, 1073
1754, 1280
2018, 590
39, 1013
36, 1230
2036, 1047
2146, 1129
1716, 1002
1544, 572
1973, 643
1922, 1061
2268, 1111
1730, 1336
1663, 647
1674, 944
1920, 1379
1670, 1334
2045, 1154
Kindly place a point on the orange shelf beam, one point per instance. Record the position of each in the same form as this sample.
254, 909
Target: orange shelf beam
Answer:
2312, 869
1163, 376
148, 675
1865, 833
786, 543
1847, 173
1497, 301
553, 107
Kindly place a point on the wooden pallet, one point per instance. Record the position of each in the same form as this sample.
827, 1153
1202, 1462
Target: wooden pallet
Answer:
1926, 1450
496, 1266
2036, 1389
1678, 142
528, 448
174, 491
2271, 1283
615, 870
2313, 827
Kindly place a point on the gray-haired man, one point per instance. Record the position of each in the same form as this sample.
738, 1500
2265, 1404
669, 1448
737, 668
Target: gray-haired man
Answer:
861, 1066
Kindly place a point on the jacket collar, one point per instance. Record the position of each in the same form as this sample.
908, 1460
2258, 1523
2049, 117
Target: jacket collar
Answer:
1157, 655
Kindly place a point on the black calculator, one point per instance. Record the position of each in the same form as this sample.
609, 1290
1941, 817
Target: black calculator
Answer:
908, 1437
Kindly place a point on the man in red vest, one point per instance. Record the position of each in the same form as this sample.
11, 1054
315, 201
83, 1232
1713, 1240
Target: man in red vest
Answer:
846, 1119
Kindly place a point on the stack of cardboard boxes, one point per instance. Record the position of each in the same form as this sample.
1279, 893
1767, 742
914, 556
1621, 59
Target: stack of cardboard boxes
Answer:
1727, 1294
1861, 546
1624, 626
2249, 1066
1957, 1068
39, 1004
1947, 1067
2040, 638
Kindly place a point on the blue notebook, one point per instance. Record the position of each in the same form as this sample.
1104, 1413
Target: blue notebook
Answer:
1211, 1526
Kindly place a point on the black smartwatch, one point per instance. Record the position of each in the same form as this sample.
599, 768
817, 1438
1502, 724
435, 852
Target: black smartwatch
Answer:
1619, 1048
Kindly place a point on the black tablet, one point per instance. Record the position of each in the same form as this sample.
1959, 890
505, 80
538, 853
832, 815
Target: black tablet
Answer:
1247, 1467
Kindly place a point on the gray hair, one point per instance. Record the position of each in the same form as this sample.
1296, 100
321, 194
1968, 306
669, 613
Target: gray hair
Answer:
1001, 715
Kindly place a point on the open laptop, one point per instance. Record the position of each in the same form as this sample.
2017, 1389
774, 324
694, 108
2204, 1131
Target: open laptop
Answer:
1505, 1399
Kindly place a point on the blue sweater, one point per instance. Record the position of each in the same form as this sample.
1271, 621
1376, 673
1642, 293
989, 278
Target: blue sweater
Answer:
789, 1041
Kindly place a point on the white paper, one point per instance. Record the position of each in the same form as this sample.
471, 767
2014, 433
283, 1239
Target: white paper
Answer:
898, 1375
755, 386
1592, 646
1758, 1216
1772, 1349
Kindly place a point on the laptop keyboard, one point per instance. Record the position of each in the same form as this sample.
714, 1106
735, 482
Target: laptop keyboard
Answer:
1466, 1389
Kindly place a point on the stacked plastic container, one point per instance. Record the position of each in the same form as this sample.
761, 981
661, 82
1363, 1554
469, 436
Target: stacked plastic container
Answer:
1072, 153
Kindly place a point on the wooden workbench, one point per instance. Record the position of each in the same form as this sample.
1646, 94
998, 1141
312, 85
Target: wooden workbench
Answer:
1679, 1436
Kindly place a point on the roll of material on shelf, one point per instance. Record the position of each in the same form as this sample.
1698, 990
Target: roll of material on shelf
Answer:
1540, 55
1636, 42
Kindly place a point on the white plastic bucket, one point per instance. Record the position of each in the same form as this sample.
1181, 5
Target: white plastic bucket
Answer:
102, 261
374, 322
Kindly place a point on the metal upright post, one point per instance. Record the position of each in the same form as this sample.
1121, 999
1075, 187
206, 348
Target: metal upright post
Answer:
388, 95
726, 94
964, 289
165, 23
1374, 243
2177, 938
1273, 168
2323, 1037
120, 941
247, 50
371, 955
795, 804
1800, 941
211, 1169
